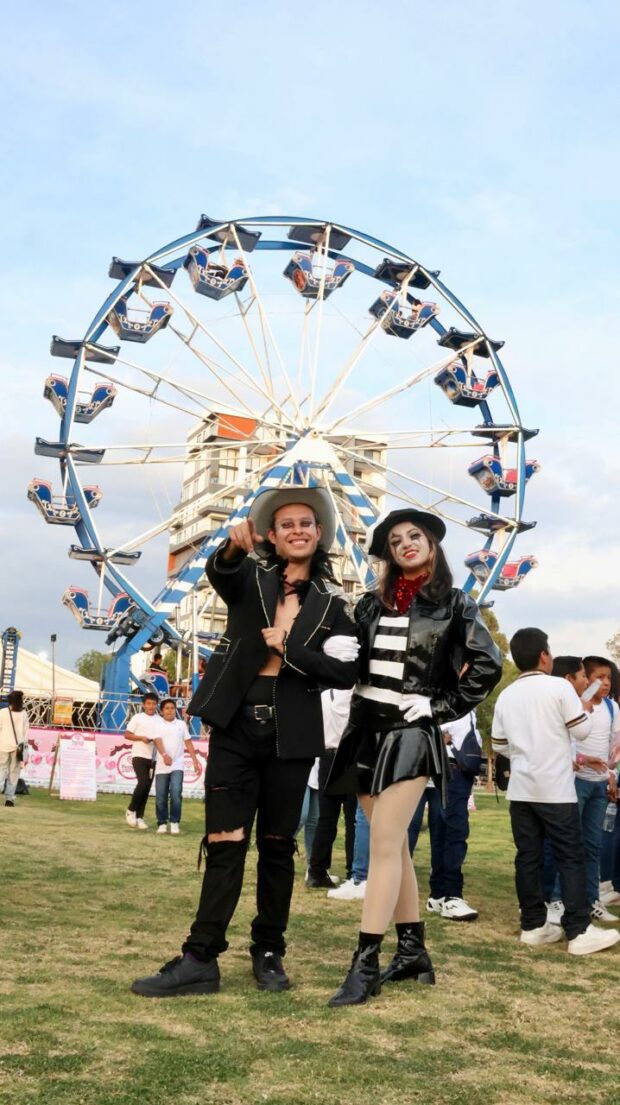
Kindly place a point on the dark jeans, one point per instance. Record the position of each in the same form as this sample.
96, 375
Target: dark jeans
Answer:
169, 797
327, 824
246, 779
531, 822
449, 829
610, 855
592, 800
144, 770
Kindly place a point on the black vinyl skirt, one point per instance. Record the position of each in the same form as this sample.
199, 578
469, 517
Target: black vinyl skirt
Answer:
368, 759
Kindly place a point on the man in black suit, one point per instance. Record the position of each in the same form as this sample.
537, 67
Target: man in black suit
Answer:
288, 634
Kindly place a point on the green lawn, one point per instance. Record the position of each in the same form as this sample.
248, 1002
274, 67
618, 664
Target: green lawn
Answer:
87, 905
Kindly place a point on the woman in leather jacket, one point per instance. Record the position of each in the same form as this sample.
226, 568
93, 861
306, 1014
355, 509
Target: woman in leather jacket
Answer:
426, 658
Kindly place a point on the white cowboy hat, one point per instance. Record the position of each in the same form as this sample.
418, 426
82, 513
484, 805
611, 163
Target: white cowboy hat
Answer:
268, 501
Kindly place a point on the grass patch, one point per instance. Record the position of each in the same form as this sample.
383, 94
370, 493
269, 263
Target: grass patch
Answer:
89, 905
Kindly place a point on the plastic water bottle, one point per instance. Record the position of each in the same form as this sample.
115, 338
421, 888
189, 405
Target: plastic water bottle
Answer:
610, 817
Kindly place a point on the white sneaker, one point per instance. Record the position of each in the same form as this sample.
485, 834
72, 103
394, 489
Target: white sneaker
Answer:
600, 913
435, 905
141, 823
555, 912
174, 828
162, 828
604, 886
545, 934
610, 897
348, 891
593, 939
457, 909
131, 819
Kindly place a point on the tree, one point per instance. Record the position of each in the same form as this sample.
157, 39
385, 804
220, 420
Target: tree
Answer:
91, 664
613, 644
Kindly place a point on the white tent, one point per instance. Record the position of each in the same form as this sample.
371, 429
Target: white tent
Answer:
34, 677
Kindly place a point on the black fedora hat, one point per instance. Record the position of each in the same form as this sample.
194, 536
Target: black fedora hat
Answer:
378, 534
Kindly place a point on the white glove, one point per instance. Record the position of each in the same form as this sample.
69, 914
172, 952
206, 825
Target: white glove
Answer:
415, 706
341, 648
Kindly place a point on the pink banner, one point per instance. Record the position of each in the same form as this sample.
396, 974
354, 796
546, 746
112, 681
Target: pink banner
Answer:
115, 774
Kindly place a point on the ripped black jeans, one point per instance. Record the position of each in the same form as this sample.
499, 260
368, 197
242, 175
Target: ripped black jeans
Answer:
246, 780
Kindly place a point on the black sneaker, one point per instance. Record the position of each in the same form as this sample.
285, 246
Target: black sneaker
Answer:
10, 802
182, 975
268, 971
325, 881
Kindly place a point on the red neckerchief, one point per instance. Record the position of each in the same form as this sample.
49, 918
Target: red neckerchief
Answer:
405, 590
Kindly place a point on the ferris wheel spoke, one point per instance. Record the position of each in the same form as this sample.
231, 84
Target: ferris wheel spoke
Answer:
389, 471
264, 369
265, 324
246, 377
149, 394
322, 250
384, 396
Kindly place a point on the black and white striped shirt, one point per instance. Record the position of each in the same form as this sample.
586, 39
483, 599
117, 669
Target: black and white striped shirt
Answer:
387, 661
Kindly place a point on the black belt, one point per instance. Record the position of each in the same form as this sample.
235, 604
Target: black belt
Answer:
259, 713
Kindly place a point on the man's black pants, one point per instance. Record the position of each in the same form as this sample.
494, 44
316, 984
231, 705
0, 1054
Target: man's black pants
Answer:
531, 821
319, 862
246, 780
144, 770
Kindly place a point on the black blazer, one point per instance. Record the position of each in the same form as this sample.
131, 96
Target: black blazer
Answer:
249, 587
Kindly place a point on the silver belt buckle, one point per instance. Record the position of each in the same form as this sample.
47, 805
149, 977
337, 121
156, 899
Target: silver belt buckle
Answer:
262, 714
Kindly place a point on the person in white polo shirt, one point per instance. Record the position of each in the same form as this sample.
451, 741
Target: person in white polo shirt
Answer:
534, 721
171, 746
142, 730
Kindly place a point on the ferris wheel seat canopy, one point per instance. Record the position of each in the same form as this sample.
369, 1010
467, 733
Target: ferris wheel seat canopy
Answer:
247, 238
154, 278
212, 278
70, 348
481, 564
311, 281
98, 556
77, 600
462, 387
134, 324
395, 272
402, 321
456, 339
60, 510
316, 233
495, 431
497, 479
88, 406
487, 523
60, 451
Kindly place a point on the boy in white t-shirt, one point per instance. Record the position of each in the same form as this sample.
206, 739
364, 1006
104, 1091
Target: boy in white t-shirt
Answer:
171, 746
534, 721
142, 730
595, 778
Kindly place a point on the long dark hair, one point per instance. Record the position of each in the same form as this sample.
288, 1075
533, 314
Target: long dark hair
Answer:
437, 585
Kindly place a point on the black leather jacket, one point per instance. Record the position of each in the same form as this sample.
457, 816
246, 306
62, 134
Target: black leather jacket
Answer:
249, 587
443, 636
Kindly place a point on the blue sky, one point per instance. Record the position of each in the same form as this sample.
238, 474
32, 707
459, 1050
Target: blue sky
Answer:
481, 138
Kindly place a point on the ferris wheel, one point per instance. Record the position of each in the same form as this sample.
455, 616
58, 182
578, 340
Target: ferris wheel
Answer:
317, 354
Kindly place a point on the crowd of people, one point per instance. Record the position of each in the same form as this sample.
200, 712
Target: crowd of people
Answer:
318, 711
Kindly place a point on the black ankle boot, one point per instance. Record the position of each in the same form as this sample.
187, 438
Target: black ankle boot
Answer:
362, 981
411, 959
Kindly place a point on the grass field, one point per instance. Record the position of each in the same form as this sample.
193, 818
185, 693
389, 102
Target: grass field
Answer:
87, 905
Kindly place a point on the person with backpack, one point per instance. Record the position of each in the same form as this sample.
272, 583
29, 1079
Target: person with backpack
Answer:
595, 779
13, 745
449, 825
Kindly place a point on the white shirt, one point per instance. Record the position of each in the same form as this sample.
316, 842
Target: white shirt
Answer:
603, 736
534, 720
174, 734
336, 707
145, 725
20, 721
